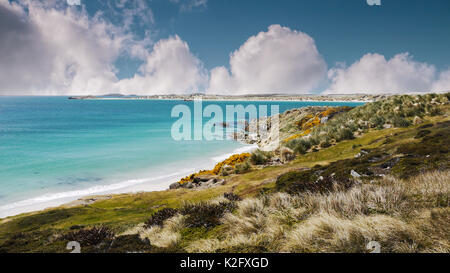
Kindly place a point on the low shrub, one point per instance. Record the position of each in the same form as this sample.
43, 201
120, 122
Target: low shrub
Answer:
259, 157
242, 168
354, 146
224, 172
299, 146
232, 197
90, 236
344, 134
377, 122
422, 133
296, 182
400, 122
129, 243
435, 111
206, 215
160, 216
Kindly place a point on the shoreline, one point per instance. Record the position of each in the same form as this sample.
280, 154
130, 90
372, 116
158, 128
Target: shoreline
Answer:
83, 197
338, 98
131, 186
234, 100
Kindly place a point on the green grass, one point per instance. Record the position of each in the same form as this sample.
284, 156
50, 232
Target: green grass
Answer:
34, 232
126, 210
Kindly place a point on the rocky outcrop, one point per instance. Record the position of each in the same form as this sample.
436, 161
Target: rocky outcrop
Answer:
199, 182
292, 124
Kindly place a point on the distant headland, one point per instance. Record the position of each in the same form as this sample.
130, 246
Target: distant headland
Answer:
265, 97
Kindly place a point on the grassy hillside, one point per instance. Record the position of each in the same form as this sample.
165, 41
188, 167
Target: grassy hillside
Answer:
379, 172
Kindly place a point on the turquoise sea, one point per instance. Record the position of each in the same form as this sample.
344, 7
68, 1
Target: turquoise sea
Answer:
54, 150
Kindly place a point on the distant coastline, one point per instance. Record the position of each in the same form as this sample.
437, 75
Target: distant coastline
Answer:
305, 98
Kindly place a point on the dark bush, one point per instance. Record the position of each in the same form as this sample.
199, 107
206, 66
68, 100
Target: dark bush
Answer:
242, 168
205, 214
400, 122
160, 216
435, 111
413, 111
354, 146
430, 153
91, 236
299, 146
259, 157
344, 134
422, 133
224, 172
76, 227
377, 121
129, 243
232, 197
309, 181
429, 125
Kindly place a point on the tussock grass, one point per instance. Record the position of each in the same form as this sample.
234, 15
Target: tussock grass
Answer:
325, 232
395, 111
402, 215
363, 200
431, 189
410, 214
166, 236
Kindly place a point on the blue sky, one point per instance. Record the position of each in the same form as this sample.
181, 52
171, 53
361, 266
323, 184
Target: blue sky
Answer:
343, 30
349, 37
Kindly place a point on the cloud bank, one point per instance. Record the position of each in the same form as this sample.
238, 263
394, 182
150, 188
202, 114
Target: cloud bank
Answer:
54, 49
50, 48
374, 74
170, 68
280, 60
443, 82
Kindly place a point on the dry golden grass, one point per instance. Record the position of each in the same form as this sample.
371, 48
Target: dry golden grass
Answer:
431, 189
402, 216
166, 236
360, 200
329, 233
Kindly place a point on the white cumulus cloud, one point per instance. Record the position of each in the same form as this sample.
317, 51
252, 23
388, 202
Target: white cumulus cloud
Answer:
443, 82
49, 48
169, 68
374, 74
280, 60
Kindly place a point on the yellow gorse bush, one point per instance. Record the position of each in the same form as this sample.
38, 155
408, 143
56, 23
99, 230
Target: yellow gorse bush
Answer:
310, 121
232, 161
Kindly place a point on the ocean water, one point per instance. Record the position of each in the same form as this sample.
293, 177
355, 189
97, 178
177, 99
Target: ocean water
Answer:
54, 150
